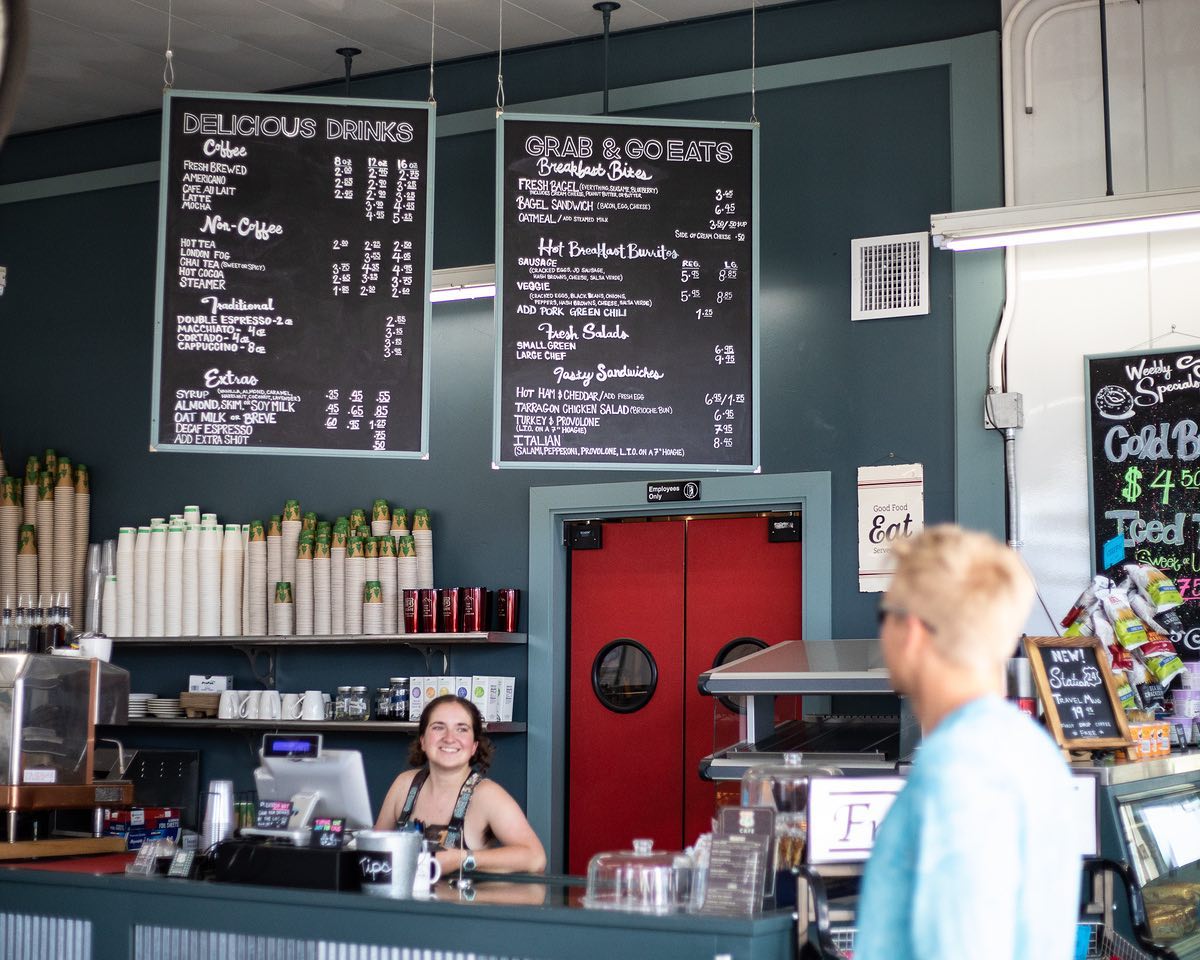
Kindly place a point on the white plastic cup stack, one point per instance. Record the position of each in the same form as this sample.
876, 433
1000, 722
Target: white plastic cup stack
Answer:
173, 581
256, 583
109, 611
356, 576
304, 595
322, 610
274, 575
337, 589
156, 589
191, 579
210, 580
141, 583
126, 538
63, 572
231, 581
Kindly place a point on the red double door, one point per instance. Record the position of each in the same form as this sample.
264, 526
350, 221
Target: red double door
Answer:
661, 602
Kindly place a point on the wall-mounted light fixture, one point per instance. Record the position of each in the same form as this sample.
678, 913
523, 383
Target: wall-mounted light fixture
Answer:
463, 283
1069, 220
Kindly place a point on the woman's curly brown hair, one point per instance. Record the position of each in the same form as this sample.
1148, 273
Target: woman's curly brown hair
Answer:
481, 759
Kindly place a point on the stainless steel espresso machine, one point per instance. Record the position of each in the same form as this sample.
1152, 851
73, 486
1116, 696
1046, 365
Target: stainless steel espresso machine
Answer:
49, 709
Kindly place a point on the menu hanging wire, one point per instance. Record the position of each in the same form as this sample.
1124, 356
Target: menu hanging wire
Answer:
169, 54
754, 61
432, 32
500, 65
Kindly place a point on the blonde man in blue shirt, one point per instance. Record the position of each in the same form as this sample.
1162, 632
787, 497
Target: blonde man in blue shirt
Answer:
978, 857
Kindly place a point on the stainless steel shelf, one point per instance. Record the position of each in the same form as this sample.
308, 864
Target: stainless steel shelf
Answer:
817, 667
347, 726
357, 639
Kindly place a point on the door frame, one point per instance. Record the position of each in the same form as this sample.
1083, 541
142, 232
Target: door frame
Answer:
549, 508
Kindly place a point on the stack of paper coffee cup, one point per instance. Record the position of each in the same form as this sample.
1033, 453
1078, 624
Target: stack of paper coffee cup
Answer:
3, 471
231, 581
156, 589
256, 583
371, 552
304, 587
399, 523
191, 576
322, 618
372, 608
109, 609
173, 580
29, 496
381, 519
423, 539
274, 568
10, 526
387, 582
126, 540
27, 560
337, 577
356, 576
284, 608
45, 530
141, 583
290, 529
63, 571
210, 580
406, 564
83, 512
245, 535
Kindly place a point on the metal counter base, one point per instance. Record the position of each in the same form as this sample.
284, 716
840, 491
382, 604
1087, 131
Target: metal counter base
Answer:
80, 917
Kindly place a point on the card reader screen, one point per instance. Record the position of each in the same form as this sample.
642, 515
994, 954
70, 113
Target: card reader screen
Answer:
297, 745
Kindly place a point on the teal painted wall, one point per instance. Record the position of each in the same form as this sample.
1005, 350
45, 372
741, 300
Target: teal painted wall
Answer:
854, 157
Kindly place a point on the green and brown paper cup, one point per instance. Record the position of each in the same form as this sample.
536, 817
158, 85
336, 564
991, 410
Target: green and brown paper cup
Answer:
406, 547
27, 540
62, 474
421, 519
399, 518
83, 481
10, 492
354, 548
45, 485
274, 526
291, 510
304, 550
387, 547
338, 540
283, 591
33, 469
358, 518
309, 522
258, 533
372, 592
321, 551
51, 460
379, 510
371, 547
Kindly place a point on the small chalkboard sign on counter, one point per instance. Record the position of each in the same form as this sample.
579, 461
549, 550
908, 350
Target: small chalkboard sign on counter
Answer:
293, 276
626, 294
1077, 691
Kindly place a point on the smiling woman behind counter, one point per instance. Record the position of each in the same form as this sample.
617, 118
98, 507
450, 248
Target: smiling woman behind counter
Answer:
474, 822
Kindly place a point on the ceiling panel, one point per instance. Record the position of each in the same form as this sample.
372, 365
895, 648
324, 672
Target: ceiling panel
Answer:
92, 59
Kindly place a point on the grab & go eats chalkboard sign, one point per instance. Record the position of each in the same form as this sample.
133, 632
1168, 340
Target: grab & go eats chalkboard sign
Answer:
1076, 688
627, 278
293, 276
1144, 468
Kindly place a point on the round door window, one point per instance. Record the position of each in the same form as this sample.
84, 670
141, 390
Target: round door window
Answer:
735, 650
624, 676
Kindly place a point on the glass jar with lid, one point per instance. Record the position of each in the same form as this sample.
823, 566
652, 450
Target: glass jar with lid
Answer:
341, 704
383, 703
784, 787
358, 707
640, 880
399, 695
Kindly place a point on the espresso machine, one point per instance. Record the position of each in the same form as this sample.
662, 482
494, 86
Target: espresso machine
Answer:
50, 707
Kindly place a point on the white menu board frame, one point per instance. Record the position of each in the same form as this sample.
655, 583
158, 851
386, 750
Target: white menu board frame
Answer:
753, 462
421, 451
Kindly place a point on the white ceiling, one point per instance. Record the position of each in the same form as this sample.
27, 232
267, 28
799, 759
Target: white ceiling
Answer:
91, 59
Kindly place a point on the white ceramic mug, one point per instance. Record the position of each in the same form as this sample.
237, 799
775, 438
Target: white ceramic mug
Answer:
291, 706
250, 704
428, 872
312, 705
270, 705
229, 706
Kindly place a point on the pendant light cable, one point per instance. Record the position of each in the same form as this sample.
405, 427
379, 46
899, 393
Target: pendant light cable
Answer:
169, 55
432, 32
500, 65
754, 62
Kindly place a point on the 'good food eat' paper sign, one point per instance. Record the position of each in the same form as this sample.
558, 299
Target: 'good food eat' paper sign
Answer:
891, 506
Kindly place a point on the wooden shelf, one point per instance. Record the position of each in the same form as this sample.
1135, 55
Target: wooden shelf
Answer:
346, 726
356, 639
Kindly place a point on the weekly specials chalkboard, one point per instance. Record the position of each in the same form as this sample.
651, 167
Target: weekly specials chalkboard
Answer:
293, 276
1083, 709
1144, 467
627, 278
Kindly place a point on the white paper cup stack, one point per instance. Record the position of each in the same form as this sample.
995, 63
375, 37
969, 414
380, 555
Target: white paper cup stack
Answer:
29, 495
381, 519
322, 608
231, 581
173, 581
256, 582
304, 595
64, 531
422, 535
210, 580
372, 562
10, 525
83, 519
274, 575
126, 540
285, 612
156, 579
141, 583
337, 590
191, 514
406, 564
27, 564
372, 608
245, 578
289, 542
45, 532
356, 576
109, 609
391, 597
191, 580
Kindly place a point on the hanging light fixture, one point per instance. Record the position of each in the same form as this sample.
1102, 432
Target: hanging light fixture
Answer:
1107, 216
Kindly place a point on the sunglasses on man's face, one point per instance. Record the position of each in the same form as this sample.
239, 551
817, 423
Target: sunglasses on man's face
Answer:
885, 611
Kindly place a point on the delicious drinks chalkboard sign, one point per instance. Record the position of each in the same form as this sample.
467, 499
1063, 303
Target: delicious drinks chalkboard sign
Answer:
1144, 467
1076, 688
293, 276
627, 267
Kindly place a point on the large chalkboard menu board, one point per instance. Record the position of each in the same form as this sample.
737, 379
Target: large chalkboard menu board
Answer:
1083, 709
627, 278
1144, 468
293, 276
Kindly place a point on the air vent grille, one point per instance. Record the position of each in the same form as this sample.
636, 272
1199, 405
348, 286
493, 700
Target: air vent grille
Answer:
889, 276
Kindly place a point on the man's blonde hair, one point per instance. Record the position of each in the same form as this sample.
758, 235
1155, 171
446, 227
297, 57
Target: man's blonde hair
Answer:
971, 589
